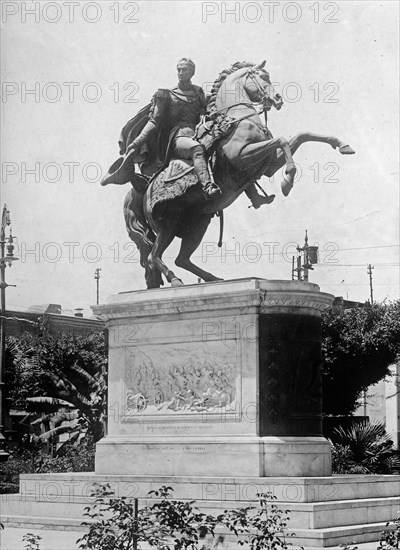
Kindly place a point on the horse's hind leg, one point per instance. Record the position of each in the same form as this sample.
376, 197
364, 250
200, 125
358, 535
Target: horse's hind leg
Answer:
164, 238
304, 137
190, 241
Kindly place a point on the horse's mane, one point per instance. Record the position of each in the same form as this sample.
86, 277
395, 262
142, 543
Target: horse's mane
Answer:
221, 78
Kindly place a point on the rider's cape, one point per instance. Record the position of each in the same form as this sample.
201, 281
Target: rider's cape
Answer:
153, 152
132, 128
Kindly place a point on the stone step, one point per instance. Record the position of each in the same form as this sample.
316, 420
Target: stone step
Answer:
42, 522
319, 515
290, 490
302, 515
324, 512
308, 515
335, 536
21, 505
307, 538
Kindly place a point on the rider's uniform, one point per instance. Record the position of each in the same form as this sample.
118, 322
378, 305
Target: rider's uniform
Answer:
178, 112
174, 115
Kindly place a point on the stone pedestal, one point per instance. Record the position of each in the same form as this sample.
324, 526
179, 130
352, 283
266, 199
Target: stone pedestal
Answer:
215, 379
215, 390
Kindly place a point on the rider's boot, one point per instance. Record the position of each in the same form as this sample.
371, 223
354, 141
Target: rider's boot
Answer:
258, 200
200, 166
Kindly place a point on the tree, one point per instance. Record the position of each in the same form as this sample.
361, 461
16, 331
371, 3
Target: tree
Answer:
31, 356
23, 373
76, 405
63, 380
358, 346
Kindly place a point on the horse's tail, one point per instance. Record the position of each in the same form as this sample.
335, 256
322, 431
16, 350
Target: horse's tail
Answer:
139, 230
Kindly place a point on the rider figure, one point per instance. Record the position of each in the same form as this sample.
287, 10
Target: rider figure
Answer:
177, 112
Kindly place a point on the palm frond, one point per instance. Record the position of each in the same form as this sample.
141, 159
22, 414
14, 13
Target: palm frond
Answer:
91, 380
371, 446
59, 430
72, 440
57, 380
22, 358
46, 404
68, 388
58, 417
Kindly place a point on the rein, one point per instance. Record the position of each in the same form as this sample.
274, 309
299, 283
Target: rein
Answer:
235, 120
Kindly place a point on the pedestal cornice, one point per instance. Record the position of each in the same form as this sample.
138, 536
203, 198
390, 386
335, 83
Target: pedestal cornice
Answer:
260, 295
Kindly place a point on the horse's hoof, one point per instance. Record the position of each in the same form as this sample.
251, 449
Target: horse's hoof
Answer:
286, 186
346, 150
260, 200
176, 282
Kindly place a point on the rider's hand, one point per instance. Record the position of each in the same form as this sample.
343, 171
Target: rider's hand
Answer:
131, 147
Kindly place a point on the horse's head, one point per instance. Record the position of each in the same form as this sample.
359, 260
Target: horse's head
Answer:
241, 83
258, 87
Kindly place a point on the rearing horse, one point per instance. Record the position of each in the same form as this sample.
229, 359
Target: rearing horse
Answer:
244, 152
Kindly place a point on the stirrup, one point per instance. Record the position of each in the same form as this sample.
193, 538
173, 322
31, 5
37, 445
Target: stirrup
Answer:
211, 190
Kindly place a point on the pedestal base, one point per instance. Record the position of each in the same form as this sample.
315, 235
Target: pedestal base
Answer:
218, 456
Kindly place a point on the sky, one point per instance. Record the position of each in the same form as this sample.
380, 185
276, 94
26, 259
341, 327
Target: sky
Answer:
73, 73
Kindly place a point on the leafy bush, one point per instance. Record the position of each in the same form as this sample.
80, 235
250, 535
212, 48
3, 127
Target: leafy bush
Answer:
30, 357
116, 523
31, 541
343, 461
75, 459
390, 540
61, 380
76, 405
364, 448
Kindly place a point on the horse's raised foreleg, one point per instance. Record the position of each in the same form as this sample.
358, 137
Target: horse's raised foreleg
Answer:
304, 137
164, 238
190, 241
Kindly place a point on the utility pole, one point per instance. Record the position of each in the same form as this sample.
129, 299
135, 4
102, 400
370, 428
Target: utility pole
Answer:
369, 271
5, 259
97, 277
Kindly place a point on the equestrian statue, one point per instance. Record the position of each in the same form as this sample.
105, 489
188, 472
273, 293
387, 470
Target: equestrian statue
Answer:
196, 155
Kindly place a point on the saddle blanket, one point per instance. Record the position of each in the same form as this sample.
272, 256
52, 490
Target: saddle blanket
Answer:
176, 169
170, 184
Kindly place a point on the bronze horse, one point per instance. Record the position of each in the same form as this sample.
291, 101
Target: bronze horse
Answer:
248, 151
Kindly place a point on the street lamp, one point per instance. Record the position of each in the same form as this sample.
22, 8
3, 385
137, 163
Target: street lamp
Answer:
6, 259
310, 258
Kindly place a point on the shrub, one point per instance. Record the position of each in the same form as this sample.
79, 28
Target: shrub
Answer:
31, 541
343, 461
390, 540
364, 448
117, 523
74, 459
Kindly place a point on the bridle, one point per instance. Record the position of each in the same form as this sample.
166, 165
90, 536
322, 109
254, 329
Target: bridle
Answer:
263, 94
